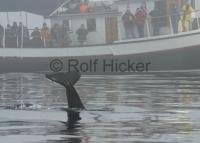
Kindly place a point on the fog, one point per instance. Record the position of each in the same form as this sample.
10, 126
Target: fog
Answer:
28, 19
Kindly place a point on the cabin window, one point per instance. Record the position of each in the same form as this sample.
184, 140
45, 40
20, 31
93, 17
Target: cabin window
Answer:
91, 24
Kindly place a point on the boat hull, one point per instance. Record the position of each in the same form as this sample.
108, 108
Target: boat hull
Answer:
162, 53
186, 58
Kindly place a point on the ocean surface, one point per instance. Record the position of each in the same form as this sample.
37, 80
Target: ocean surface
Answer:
147, 108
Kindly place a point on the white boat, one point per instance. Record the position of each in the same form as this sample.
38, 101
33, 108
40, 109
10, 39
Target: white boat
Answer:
171, 52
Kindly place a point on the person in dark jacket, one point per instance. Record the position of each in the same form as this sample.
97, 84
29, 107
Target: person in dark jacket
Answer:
36, 40
128, 21
65, 34
55, 35
175, 17
25, 35
157, 20
14, 30
82, 34
8, 36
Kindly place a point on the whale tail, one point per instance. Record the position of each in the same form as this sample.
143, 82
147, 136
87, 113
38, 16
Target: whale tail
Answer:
68, 80
64, 78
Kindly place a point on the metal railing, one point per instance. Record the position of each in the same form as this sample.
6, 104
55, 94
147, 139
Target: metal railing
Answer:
166, 26
164, 23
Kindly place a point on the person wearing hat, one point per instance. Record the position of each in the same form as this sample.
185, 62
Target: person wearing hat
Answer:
82, 33
140, 19
36, 38
187, 16
46, 35
129, 22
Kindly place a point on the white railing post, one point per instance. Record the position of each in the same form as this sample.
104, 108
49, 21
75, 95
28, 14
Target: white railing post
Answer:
22, 42
119, 25
171, 26
22, 30
17, 41
198, 24
148, 30
44, 42
22, 36
4, 37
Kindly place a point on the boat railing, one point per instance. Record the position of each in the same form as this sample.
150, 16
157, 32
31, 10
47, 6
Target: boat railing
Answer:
170, 20
166, 25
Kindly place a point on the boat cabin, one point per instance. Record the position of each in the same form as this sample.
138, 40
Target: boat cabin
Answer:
99, 18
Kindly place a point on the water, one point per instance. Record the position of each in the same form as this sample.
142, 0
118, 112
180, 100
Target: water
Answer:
148, 108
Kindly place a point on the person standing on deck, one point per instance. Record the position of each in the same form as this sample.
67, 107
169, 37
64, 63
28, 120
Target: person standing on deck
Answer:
65, 34
175, 17
8, 36
36, 38
129, 21
26, 36
55, 35
82, 34
14, 35
23, 31
140, 18
187, 16
46, 35
157, 20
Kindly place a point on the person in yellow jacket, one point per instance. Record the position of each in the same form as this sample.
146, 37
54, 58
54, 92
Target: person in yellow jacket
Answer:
186, 17
46, 35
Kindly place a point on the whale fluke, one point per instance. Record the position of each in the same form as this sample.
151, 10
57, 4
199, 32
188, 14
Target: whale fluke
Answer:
74, 100
64, 78
68, 80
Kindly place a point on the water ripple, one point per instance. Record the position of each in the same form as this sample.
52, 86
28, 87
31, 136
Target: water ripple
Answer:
147, 108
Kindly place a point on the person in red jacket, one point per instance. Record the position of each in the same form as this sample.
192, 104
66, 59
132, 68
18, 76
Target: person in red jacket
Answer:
84, 8
140, 18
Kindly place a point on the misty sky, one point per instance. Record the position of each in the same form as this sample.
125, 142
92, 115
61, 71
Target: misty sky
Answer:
32, 21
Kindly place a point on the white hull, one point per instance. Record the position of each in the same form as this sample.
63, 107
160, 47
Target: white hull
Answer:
159, 51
